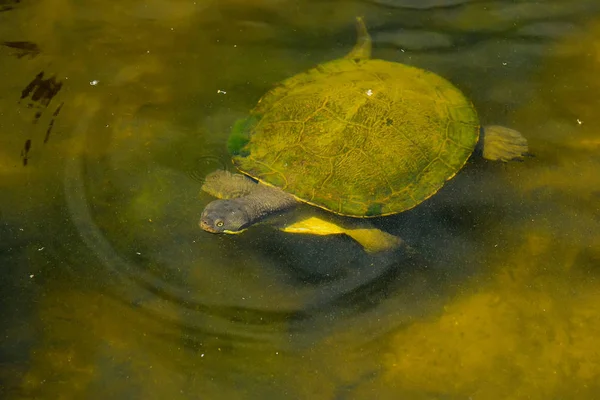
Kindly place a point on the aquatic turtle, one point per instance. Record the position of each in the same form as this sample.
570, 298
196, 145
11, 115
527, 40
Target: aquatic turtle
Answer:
356, 136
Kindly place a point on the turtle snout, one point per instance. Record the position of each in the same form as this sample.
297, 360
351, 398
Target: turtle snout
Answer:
207, 225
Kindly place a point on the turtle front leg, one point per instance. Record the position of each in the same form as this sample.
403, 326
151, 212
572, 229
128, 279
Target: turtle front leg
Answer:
371, 239
225, 185
498, 143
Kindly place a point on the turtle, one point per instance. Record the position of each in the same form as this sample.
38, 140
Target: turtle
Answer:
358, 137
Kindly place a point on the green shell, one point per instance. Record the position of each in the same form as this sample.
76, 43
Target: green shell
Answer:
358, 137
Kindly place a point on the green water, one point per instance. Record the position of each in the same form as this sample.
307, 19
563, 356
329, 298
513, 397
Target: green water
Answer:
109, 289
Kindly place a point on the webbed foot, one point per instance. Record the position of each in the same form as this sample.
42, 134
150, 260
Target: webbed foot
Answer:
498, 143
225, 185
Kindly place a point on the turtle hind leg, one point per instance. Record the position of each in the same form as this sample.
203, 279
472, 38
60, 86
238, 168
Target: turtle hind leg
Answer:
362, 48
498, 143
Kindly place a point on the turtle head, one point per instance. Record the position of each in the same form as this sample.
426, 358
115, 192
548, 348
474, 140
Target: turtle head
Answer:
224, 216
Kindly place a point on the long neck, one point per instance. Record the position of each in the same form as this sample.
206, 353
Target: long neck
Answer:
264, 201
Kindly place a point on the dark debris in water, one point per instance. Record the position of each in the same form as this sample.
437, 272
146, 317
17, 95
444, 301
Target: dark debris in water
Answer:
7, 5
41, 91
421, 4
22, 49
38, 95
25, 151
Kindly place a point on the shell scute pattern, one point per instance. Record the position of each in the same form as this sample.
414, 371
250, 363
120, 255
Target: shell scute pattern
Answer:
361, 138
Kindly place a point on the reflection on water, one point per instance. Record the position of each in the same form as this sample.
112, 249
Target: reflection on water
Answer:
110, 288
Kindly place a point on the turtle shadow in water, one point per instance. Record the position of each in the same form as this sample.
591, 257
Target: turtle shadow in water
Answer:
453, 228
332, 265
311, 259
344, 288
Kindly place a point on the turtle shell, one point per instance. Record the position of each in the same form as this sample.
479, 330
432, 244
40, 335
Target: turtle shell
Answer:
358, 137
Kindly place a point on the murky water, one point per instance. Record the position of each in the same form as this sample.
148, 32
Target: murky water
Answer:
110, 113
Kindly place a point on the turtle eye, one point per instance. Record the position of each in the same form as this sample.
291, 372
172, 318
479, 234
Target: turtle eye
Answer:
220, 224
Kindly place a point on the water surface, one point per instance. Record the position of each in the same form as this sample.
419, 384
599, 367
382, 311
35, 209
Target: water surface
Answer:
108, 116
